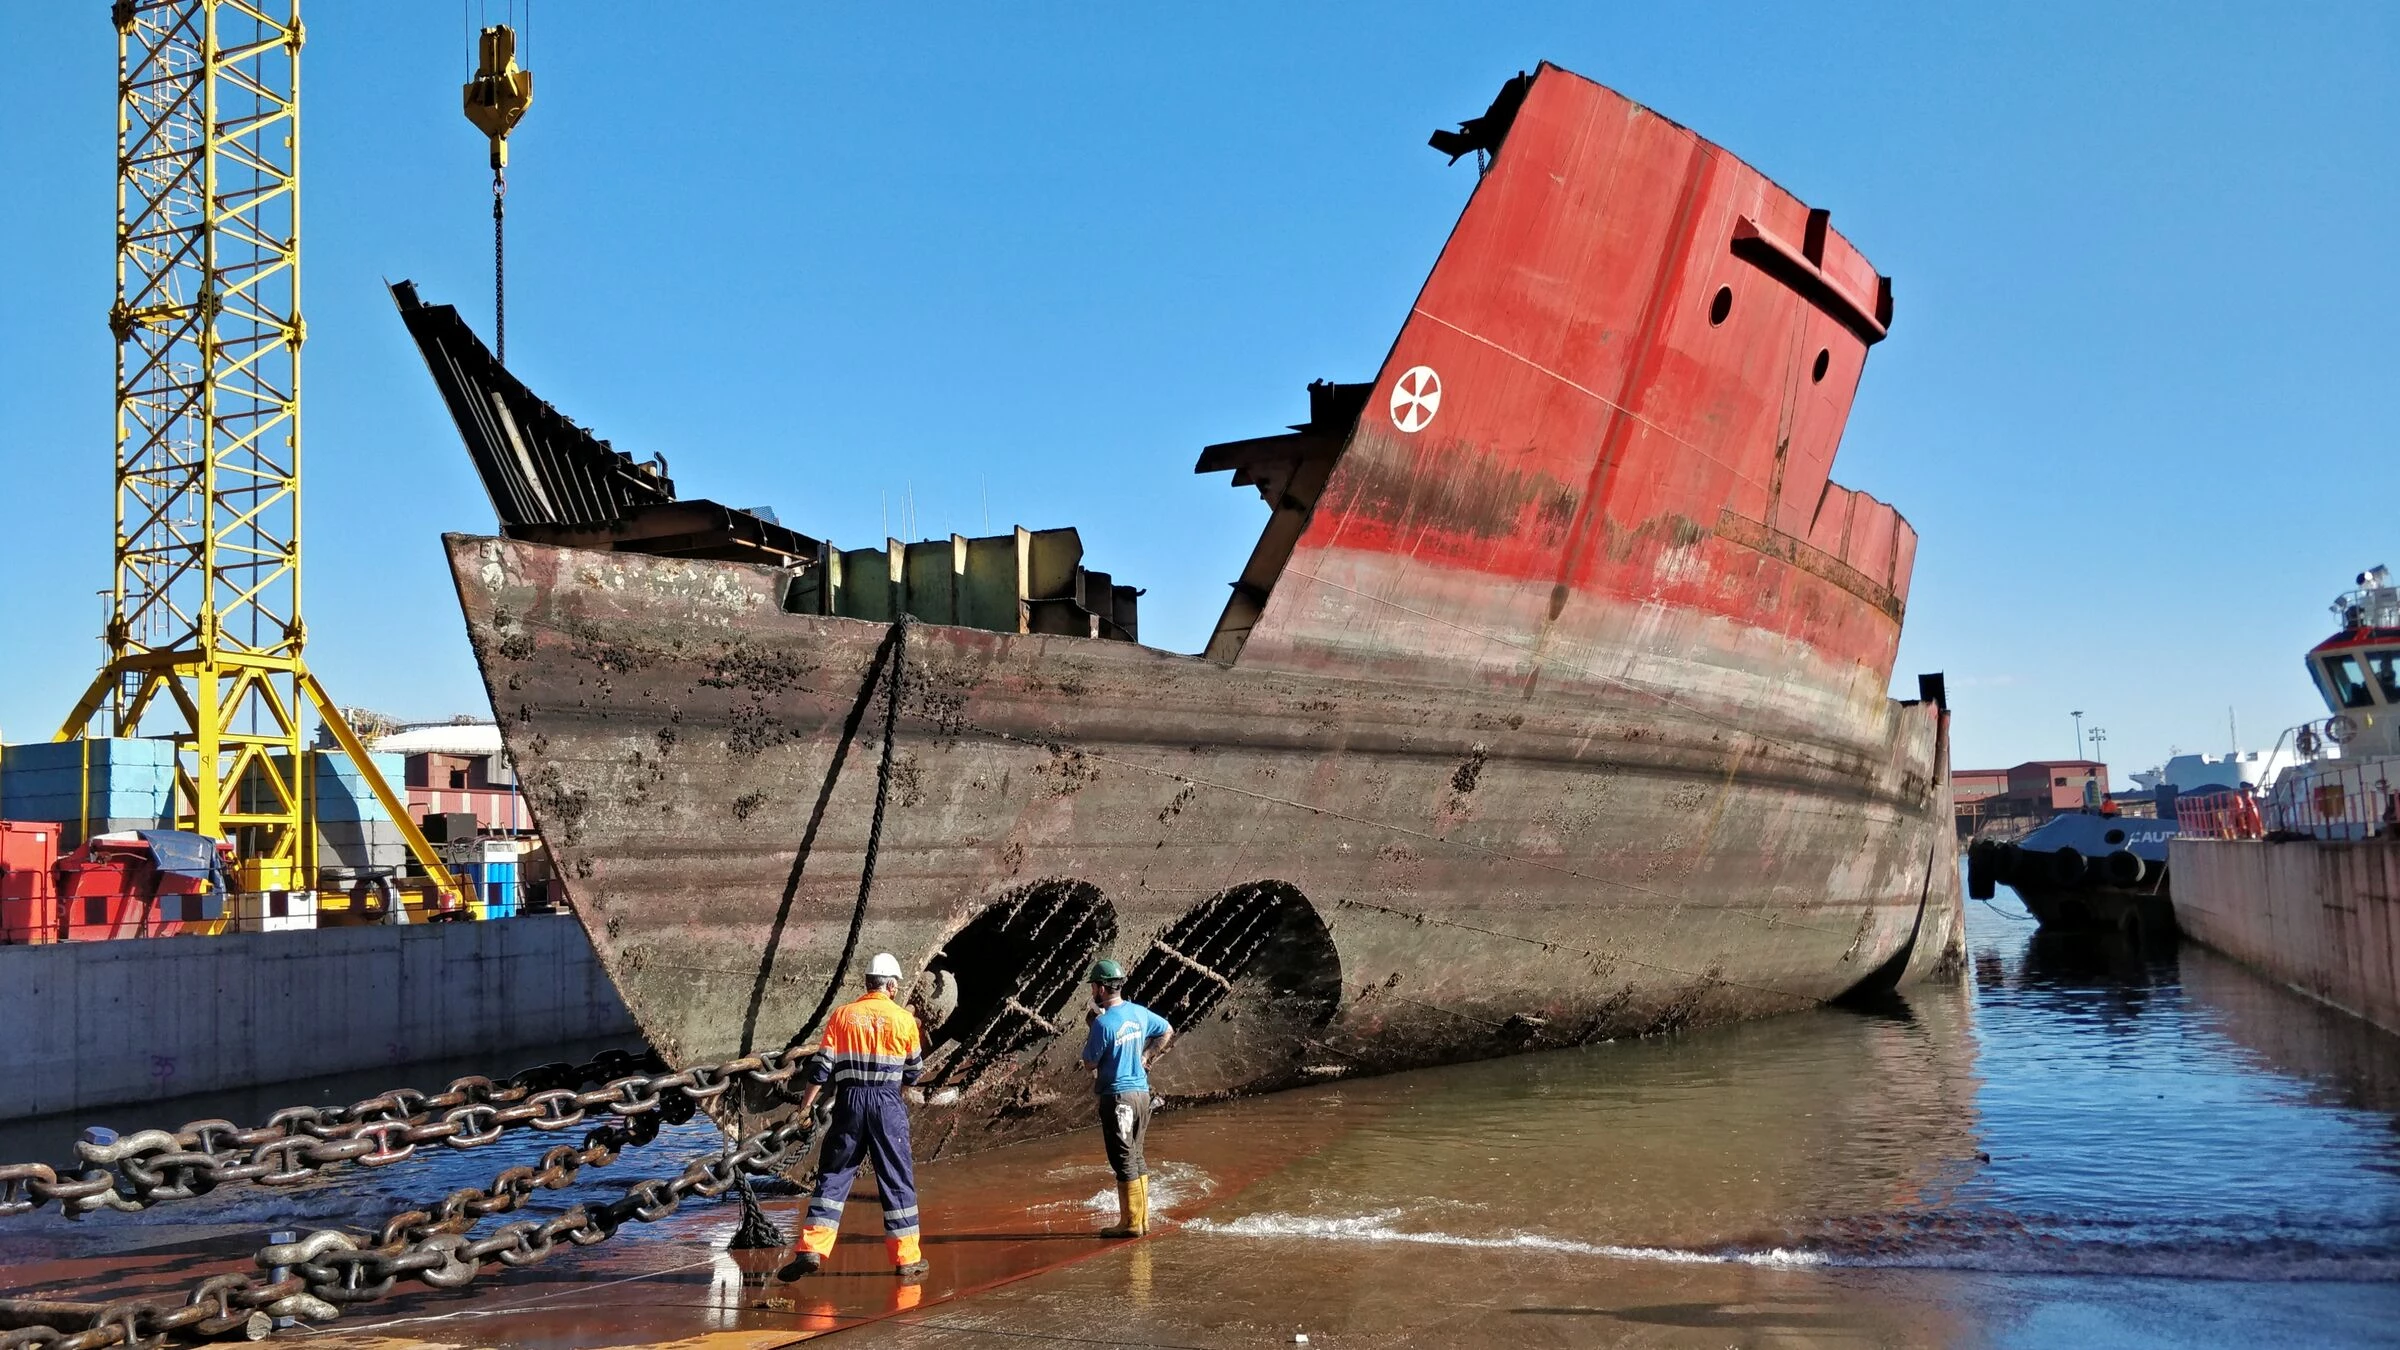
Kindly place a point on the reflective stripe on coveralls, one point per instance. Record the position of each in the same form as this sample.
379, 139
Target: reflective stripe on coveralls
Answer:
871, 1049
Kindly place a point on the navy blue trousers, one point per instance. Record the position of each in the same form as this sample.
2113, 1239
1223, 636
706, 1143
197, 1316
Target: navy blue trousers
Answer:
870, 1124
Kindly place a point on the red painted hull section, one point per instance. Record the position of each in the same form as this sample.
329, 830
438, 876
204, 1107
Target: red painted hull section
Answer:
1606, 452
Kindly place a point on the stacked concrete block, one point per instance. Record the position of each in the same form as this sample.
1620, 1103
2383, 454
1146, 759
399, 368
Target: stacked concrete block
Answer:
343, 792
110, 783
360, 844
354, 832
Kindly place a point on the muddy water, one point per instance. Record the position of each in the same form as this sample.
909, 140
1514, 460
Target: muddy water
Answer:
2076, 1145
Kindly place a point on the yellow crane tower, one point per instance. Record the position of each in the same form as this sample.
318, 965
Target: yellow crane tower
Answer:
205, 609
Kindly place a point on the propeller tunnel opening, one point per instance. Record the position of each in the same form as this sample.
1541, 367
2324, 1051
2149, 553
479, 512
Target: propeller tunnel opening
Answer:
1001, 984
1247, 979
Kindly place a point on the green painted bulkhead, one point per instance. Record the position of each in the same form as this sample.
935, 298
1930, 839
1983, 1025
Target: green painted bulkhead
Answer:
1027, 581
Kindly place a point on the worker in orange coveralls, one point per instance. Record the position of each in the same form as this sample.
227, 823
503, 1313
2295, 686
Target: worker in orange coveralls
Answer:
2247, 823
871, 1051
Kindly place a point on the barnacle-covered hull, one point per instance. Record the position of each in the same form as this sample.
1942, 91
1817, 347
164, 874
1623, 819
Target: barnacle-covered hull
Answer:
1319, 874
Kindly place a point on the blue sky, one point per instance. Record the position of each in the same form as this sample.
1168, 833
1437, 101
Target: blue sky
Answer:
2137, 399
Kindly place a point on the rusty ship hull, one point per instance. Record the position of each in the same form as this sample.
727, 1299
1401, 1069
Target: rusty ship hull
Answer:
1456, 876
1551, 705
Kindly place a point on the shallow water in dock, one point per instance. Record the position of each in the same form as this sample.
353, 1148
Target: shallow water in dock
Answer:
2074, 1145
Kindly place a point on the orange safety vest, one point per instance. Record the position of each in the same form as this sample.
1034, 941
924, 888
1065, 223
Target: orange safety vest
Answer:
872, 1042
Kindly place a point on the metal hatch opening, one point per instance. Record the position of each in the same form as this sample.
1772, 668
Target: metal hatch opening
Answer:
1247, 978
1000, 984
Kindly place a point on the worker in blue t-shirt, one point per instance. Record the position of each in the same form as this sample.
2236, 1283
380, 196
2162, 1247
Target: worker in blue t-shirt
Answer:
1125, 1038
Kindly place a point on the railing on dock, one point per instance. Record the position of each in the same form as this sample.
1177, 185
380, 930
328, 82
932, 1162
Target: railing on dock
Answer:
2217, 815
2337, 801
2320, 797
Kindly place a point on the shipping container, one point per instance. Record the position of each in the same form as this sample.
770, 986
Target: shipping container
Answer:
28, 898
494, 885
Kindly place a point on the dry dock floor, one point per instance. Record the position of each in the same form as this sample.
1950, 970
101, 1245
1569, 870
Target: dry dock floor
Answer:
1010, 1235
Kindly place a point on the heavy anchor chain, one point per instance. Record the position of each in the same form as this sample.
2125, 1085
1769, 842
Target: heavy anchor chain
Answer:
152, 1166
329, 1270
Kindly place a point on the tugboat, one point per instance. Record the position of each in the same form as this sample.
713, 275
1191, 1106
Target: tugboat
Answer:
2307, 890
2087, 870
2084, 871
2341, 786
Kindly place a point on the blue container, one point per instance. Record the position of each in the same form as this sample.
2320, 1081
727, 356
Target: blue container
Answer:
495, 885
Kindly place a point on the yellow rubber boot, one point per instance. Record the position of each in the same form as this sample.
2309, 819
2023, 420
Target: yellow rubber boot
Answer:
1137, 1205
1123, 1227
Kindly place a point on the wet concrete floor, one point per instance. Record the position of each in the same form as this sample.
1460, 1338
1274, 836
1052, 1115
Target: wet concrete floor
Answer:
2079, 1145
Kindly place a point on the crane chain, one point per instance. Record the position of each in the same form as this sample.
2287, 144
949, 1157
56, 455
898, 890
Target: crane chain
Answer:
499, 267
329, 1270
295, 1144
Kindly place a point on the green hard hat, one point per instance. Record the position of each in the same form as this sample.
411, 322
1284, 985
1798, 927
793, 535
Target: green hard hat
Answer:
1105, 971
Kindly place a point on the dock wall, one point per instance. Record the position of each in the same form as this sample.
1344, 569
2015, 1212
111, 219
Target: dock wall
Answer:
92, 1024
2320, 916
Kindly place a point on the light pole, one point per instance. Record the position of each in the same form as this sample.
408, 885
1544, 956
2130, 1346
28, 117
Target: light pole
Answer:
2078, 716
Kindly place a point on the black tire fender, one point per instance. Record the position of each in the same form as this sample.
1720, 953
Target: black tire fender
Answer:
2067, 867
2125, 868
1979, 870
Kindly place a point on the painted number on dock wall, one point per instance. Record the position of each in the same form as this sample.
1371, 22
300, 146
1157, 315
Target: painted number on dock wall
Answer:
1416, 398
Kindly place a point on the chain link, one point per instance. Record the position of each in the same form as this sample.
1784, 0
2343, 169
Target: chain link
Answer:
330, 1270
153, 1166
150, 1166
895, 673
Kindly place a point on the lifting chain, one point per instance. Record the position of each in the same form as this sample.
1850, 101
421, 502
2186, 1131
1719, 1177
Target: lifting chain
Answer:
500, 267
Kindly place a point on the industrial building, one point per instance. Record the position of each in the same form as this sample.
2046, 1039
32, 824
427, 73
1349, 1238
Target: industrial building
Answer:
2015, 799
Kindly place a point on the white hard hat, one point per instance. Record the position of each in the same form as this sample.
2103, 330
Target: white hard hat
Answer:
884, 966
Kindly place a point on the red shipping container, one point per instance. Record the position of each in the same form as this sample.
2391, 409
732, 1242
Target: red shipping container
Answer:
28, 904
